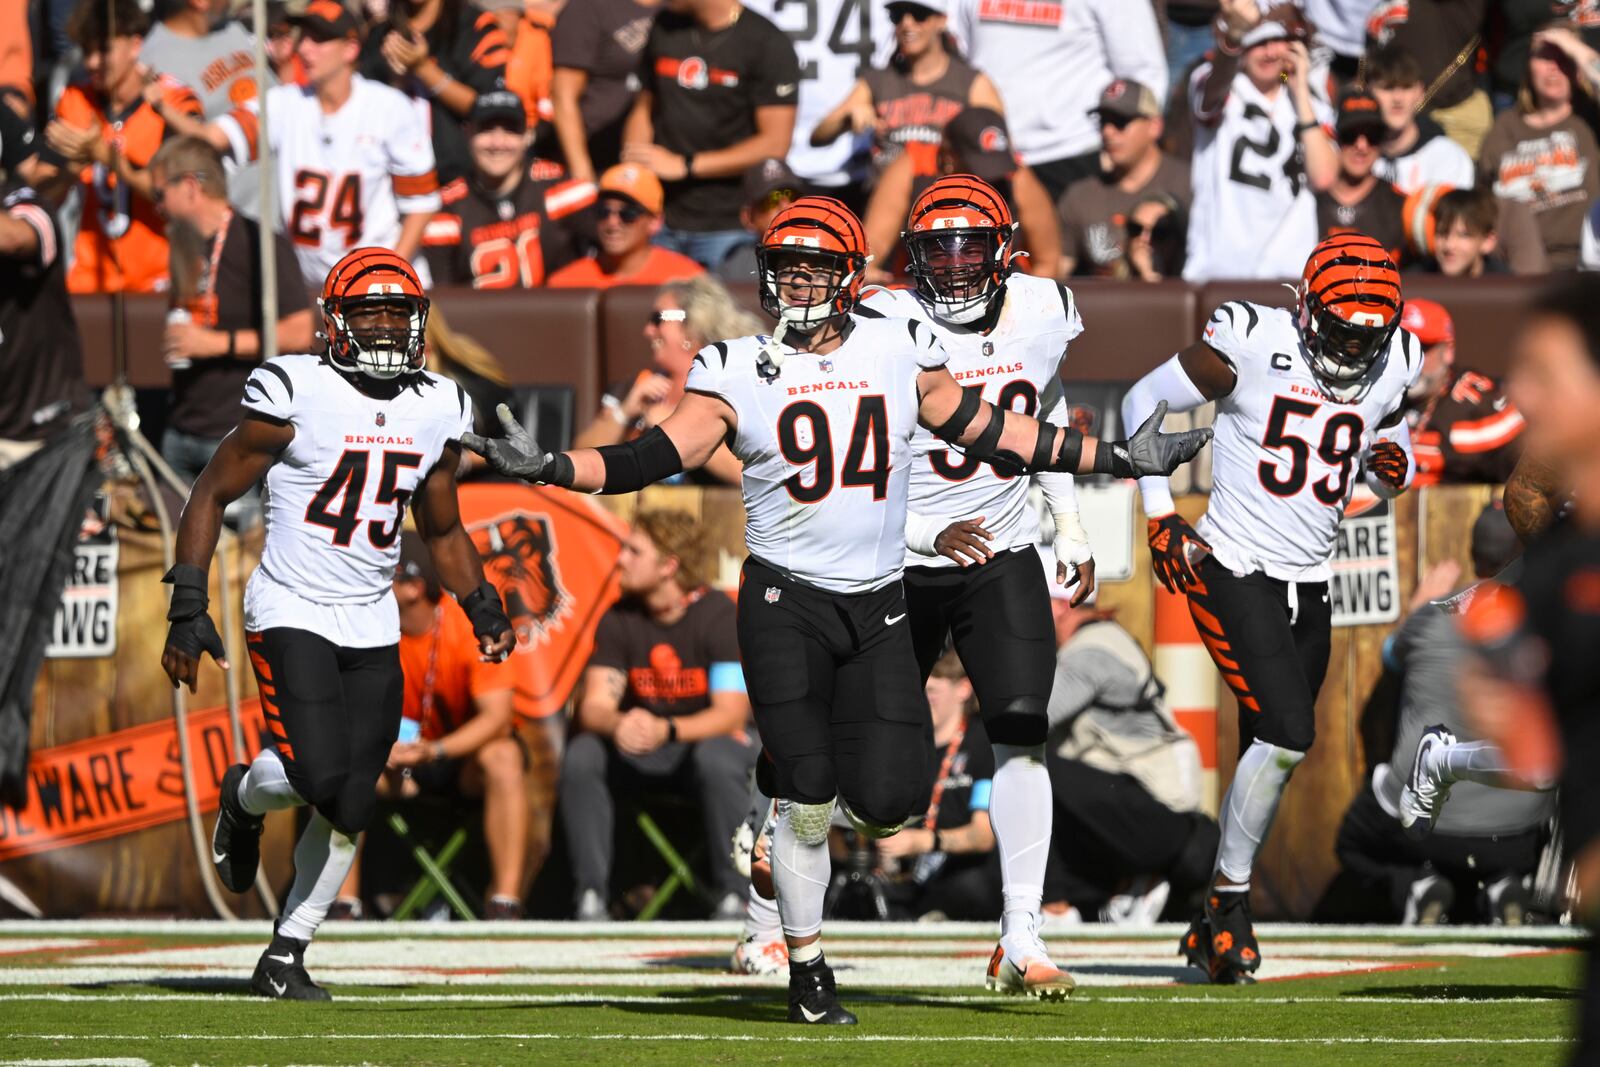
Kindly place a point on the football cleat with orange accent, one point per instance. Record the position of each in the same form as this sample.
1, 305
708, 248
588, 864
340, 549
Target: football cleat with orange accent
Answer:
1021, 967
1233, 951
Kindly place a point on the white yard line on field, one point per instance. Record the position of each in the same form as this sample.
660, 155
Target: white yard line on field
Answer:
236, 999
996, 1039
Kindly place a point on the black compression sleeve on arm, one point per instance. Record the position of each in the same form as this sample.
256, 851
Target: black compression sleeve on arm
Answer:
961, 418
643, 461
1070, 452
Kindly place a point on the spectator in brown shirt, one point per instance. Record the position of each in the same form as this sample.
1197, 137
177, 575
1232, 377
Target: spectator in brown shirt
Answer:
213, 338
663, 706
1358, 200
595, 48
1543, 154
1094, 210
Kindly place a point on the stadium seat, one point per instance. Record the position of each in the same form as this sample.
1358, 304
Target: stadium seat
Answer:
540, 336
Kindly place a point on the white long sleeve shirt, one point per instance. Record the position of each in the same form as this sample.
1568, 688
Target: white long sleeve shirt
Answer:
1052, 59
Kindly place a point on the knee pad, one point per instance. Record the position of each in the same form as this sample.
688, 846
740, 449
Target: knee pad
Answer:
808, 822
1019, 721
867, 827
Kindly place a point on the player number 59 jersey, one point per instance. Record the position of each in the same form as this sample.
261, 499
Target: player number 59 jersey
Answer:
1016, 366
826, 447
335, 499
1286, 455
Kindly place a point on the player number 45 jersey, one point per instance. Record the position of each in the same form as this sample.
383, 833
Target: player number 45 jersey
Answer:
1286, 455
1016, 366
826, 447
336, 498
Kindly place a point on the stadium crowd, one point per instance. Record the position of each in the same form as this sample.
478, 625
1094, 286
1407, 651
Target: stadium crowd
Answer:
519, 144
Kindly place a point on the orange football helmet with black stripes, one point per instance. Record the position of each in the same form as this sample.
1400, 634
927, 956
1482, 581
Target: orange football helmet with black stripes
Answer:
813, 232
1350, 307
958, 239
373, 278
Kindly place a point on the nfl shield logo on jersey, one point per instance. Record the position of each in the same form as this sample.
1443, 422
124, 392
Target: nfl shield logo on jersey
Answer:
379, 420
825, 365
773, 593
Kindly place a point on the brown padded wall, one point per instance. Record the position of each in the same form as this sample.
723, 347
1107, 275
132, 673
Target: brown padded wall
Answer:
587, 339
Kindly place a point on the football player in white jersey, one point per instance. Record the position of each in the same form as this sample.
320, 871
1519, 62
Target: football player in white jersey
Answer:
1006, 334
1306, 401
822, 415
354, 158
344, 442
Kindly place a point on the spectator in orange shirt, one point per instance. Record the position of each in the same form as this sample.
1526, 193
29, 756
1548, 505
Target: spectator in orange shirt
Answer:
457, 713
629, 216
102, 139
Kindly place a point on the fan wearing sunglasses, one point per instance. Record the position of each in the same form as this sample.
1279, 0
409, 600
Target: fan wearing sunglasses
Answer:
627, 218
1156, 233
1359, 201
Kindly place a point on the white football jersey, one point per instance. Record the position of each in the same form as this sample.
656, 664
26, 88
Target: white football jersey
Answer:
343, 180
1254, 215
1017, 366
336, 498
826, 447
835, 41
1286, 455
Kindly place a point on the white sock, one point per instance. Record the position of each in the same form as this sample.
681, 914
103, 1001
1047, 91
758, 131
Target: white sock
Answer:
799, 873
1250, 806
265, 786
1021, 810
761, 918
321, 860
1476, 761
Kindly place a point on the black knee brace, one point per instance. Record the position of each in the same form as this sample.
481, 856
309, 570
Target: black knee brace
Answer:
1019, 721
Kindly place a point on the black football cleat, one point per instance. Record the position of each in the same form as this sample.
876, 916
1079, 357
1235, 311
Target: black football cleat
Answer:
1235, 953
813, 998
236, 839
281, 972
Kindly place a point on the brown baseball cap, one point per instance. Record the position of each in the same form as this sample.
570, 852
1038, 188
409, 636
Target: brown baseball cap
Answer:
982, 144
327, 20
633, 182
769, 176
1129, 100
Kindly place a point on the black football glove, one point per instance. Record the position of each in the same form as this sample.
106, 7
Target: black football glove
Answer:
1149, 451
517, 453
1388, 463
191, 631
484, 611
1175, 550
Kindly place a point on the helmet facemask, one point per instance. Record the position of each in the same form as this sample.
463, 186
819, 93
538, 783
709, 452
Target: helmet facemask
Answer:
817, 284
378, 350
1344, 346
959, 271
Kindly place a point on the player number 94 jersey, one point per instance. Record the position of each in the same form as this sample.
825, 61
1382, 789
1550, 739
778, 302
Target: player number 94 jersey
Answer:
1286, 455
1016, 366
335, 499
826, 447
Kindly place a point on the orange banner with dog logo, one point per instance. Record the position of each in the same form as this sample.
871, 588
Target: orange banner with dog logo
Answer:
553, 556
120, 782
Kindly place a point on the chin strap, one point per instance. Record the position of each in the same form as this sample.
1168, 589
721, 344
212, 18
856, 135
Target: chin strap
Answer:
773, 352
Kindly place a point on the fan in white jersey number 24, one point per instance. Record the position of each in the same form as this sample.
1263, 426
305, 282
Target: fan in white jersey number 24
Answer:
812, 444
346, 483
856, 11
1341, 441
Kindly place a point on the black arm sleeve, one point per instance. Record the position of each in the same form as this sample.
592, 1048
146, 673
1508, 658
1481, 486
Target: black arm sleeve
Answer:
645, 460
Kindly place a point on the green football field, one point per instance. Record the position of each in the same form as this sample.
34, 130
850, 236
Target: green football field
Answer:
126, 993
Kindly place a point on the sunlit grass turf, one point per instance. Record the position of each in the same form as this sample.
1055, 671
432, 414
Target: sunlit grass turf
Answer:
1458, 1011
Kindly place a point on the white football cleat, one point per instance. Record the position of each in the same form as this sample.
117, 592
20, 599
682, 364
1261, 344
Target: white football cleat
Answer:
1021, 967
755, 955
1425, 791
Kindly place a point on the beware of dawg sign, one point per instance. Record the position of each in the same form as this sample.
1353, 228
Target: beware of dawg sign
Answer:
85, 625
1366, 564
